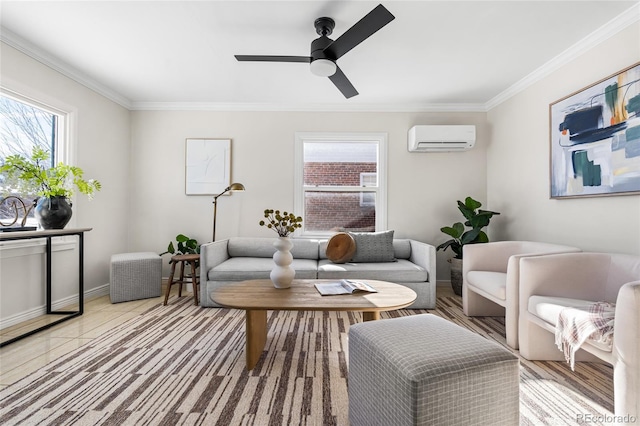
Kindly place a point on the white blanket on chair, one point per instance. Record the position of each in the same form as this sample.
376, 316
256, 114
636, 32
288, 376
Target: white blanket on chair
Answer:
575, 326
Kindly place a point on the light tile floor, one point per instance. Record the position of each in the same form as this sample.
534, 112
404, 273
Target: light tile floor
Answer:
25, 356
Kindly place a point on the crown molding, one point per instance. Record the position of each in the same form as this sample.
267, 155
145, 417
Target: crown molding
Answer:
611, 28
221, 106
33, 51
603, 33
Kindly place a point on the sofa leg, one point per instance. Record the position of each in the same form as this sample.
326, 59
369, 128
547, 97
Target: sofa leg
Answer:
474, 305
511, 328
625, 390
537, 344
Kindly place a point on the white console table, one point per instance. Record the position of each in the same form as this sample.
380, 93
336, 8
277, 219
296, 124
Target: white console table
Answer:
48, 235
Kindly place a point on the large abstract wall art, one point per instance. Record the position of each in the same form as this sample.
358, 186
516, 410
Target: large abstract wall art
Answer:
595, 138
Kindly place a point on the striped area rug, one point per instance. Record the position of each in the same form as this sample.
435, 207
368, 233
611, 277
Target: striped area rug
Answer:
184, 365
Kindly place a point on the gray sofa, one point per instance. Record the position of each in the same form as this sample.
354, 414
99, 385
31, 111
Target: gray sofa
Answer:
242, 258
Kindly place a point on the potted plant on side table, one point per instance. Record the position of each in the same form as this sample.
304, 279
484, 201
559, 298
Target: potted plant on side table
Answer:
186, 245
185, 251
476, 219
53, 184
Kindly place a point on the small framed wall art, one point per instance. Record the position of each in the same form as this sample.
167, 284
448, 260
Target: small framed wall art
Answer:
595, 138
207, 164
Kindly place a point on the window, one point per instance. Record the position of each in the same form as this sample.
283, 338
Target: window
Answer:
340, 182
368, 180
24, 125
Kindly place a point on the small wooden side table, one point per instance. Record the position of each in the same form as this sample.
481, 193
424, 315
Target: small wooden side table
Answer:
191, 259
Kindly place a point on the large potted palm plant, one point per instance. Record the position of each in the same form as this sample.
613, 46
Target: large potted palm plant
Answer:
53, 184
469, 232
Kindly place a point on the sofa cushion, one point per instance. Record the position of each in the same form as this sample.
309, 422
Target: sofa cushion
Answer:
398, 272
373, 246
341, 247
263, 247
401, 249
493, 283
548, 309
253, 268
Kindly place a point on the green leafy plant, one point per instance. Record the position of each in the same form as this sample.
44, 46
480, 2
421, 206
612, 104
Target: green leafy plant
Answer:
284, 224
32, 176
476, 219
185, 245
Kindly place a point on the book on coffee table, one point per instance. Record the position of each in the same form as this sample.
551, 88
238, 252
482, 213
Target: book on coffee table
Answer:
343, 287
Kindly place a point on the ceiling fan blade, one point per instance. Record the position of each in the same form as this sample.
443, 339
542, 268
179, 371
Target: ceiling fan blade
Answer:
267, 58
363, 29
343, 84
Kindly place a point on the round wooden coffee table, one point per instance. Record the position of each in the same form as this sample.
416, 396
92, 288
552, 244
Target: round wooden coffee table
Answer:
257, 297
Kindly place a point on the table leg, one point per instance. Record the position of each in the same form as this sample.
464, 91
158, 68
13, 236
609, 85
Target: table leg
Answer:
194, 282
48, 269
81, 273
256, 330
371, 315
170, 282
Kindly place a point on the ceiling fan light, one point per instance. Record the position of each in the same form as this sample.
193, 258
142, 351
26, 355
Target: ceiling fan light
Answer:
323, 67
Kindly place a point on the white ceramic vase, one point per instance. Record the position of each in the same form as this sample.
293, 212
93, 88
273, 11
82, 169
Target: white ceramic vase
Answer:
282, 274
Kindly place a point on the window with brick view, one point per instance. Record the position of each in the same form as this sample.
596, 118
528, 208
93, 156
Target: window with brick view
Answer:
340, 184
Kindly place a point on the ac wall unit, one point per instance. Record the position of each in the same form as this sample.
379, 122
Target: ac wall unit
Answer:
441, 138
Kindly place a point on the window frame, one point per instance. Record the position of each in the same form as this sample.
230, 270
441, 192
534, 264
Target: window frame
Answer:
333, 137
364, 201
64, 151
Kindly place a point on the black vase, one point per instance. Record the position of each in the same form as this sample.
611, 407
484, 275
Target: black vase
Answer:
53, 212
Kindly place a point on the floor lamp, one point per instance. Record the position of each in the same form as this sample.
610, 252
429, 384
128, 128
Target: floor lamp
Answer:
232, 187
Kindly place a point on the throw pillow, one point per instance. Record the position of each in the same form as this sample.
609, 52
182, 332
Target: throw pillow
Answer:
341, 248
373, 247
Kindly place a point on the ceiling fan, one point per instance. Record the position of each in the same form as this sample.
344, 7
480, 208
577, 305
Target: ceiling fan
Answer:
325, 52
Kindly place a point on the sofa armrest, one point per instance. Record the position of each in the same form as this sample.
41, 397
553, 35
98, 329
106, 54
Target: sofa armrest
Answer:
489, 256
211, 255
495, 256
627, 324
513, 279
424, 255
564, 275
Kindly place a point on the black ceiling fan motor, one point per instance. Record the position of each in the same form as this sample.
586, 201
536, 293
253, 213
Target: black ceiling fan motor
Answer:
324, 26
325, 48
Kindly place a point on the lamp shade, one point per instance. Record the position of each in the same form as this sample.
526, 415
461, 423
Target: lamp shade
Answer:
233, 187
323, 67
236, 187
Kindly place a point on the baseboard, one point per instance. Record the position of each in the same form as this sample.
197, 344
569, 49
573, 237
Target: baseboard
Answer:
100, 291
443, 283
55, 305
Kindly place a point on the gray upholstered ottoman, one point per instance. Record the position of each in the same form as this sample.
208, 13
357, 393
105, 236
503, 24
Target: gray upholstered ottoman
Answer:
424, 370
135, 276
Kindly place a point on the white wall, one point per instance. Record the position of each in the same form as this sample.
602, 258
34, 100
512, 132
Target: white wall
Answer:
508, 169
422, 188
518, 162
102, 150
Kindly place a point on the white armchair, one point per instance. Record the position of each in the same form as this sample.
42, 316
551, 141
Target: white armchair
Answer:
550, 283
490, 274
